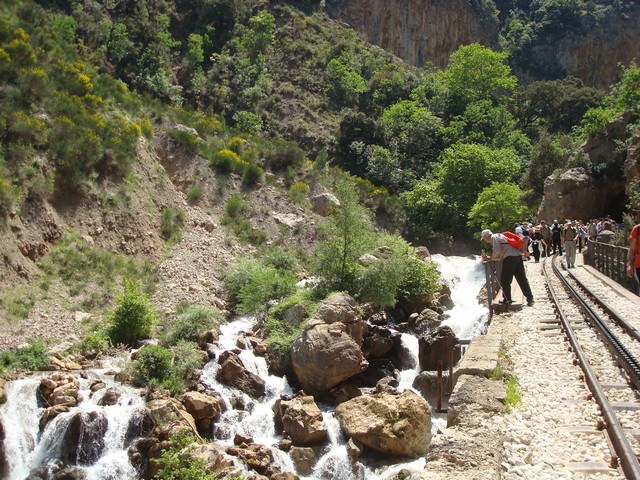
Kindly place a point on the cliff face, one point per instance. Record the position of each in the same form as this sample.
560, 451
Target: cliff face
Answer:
420, 31
594, 54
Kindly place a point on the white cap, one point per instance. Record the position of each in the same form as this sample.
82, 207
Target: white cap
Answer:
484, 233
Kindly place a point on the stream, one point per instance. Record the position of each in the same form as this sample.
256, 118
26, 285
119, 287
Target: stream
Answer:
27, 449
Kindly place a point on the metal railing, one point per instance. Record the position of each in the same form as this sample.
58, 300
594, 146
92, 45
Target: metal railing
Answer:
492, 275
611, 260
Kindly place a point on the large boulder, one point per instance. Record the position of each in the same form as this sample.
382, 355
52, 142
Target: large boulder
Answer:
437, 347
204, 408
169, 412
575, 196
301, 419
397, 425
328, 351
83, 440
324, 203
233, 372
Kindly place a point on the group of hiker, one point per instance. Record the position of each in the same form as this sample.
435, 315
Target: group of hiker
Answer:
509, 250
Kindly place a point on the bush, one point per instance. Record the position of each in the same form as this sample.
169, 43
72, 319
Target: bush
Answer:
235, 206
283, 154
186, 139
32, 357
192, 321
226, 160
94, 342
154, 363
298, 192
279, 334
171, 224
252, 284
194, 193
134, 316
175, 462
252, 174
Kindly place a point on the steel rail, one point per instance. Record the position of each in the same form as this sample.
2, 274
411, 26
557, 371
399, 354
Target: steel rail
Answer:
626, 326
628, 361
628, 460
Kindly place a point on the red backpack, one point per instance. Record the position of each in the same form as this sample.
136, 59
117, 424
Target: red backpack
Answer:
514, 239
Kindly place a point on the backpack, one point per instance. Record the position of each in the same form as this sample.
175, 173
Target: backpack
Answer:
514, 240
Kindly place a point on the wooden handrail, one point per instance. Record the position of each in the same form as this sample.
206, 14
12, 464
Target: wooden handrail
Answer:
611, 260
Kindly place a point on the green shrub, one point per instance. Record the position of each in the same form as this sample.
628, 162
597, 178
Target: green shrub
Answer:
226, 160
252, 284
245, 232
248, 122
279, 334
94, 342
298, 192
194, 192
235, 206
252, 174
32, 357
192, 321
134, 316
153, 363
283, 154
171, 224
17, 302
187, 360
176, 463
186, 139
282, 259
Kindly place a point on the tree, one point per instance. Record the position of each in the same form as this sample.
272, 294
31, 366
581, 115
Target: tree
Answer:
347, 234
465, 169
476, 73
498, 207
414, 134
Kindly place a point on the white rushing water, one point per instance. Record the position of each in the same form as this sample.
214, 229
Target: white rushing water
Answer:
27, 449
465, 277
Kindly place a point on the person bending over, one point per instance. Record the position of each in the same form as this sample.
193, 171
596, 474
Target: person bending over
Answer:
512, 265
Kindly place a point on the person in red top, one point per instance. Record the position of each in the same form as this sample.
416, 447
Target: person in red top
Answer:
633, 259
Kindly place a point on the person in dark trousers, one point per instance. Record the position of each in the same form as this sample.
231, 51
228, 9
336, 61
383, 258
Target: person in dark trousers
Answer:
512, 265
556, 233
633, 257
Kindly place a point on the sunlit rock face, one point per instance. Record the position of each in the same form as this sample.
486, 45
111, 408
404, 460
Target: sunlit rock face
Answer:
419, 31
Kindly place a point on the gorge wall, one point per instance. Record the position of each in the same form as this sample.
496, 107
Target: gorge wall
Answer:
419, 31
422, 31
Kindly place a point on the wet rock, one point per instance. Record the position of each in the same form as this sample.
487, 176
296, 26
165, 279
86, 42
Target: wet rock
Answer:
328, 352
233, 372
355, 449
304, 459
435, 349
69, 473
4, 465
83, 440
204, 408
140, 425
111, 396
97, 385
301, 419
397, 425
257, 457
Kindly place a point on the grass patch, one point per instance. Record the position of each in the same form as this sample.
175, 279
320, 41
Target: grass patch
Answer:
92, 274
17, 303
191, 322
171, 225
32, 357
236, 220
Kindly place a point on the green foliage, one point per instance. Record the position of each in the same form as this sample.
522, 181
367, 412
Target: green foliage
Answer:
344, 79
32, 357
499, 206
93, 342
282, 154
85, 269
252, 283
280, 334
252, 174
397, 274
235, 208
186, 139
476, 73
133, 317
194, 192
191, 321
248, 122
16, 303
171, 224
153, 363
348, 234
176, 463
298, 192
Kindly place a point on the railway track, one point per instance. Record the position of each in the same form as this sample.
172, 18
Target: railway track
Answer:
606, 345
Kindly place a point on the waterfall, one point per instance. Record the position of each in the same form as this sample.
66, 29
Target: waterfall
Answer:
465, 277
27, 449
